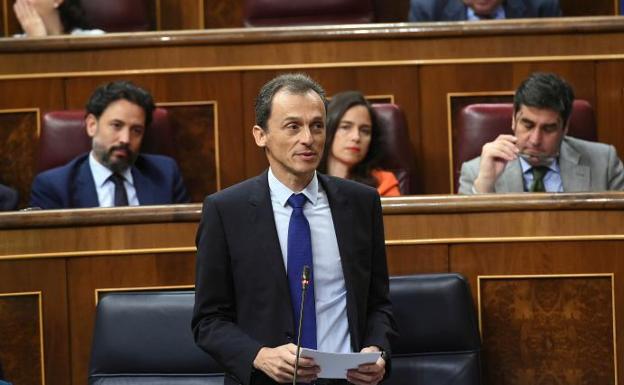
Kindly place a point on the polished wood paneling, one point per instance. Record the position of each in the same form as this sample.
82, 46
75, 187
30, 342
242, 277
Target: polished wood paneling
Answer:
18, 143
69, 254
417, 259
19, 128
609, 102
555, 329
177, 14
47, 277
588, 8
85, 275
223, 13
3, 17
20, 334
196, 147
573, 257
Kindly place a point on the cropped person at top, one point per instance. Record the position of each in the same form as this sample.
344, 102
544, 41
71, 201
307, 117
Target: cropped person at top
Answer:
353, 149
114, 173
473, 10
40, 18
537, 155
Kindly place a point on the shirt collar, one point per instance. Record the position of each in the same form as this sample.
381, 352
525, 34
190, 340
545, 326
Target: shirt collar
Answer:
282, 193
101, 173
526, 166
499, 13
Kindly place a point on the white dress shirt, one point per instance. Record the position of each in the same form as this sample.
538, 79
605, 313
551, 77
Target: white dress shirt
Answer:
105, 187
330, 292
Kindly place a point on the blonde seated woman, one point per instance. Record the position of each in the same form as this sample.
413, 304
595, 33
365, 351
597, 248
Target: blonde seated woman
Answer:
40, 18
353, 147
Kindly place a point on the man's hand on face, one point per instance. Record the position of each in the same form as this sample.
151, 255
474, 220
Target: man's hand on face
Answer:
494, 158
279, 364
368, 374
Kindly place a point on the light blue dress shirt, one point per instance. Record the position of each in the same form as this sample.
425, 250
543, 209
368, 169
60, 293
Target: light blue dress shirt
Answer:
552, 179
330, 292
499, 13
105, 188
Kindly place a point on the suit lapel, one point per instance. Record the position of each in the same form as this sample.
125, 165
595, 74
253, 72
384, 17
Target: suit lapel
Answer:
265, 238
143, 186
511, 180
84, 194
514, 9
454, 10
574, 176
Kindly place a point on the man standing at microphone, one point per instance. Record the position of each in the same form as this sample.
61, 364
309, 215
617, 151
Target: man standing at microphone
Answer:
255, 238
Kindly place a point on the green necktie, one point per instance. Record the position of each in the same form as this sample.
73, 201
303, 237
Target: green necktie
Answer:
538, 178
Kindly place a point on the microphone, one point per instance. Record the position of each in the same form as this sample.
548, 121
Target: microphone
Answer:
305, 282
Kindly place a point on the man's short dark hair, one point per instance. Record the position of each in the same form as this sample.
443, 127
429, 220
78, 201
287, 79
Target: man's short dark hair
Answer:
545, 91
297, 83
113, 91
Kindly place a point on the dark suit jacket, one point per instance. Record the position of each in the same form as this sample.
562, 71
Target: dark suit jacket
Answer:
455, 10
242, 300
9, 198
157, 180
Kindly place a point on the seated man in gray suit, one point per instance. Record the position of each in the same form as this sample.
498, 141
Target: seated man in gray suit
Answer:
473, 10
539, 157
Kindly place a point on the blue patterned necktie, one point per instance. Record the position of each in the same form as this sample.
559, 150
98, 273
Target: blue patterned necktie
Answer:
299, 255
121, 197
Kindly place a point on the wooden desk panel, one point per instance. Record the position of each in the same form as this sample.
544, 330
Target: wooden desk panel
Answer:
68, 255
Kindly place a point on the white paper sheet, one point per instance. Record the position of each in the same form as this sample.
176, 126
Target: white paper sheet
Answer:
335, 365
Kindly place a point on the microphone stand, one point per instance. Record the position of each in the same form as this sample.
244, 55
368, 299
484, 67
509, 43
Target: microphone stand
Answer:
305, 282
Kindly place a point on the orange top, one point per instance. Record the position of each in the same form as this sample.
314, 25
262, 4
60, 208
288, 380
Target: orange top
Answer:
388, 185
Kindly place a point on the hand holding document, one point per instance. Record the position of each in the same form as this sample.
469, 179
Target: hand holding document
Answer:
335, 365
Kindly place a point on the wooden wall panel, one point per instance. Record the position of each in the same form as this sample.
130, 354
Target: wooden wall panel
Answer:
196, 146
610, 99
85, 275
223, 13
181, 14
554, 329
417, 259
48, 277
19, 128
512, 258
588, 8
19, 133
22, 349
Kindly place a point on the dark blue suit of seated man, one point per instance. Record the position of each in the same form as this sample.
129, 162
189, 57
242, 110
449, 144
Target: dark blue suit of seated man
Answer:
113, 173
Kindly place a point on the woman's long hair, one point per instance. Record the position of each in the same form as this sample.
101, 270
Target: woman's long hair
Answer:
72, 15
339, 105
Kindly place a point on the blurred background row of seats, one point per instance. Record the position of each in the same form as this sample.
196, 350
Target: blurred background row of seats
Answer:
146, 15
